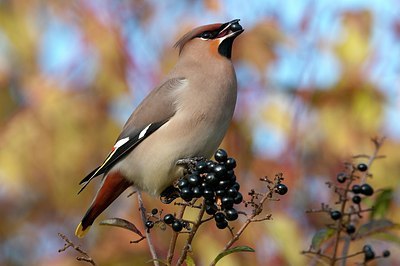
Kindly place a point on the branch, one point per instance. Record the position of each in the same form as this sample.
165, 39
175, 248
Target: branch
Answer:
148, 238
258, 209
84, 256
378, 142
189, 240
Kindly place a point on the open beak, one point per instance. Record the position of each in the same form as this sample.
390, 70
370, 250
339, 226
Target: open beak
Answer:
230, 29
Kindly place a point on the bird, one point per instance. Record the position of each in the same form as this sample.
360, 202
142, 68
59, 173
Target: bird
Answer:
187, 116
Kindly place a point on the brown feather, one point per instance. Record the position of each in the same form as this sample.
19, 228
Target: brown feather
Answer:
113, 185
193, 33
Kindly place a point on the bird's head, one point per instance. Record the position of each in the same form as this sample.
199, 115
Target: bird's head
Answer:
215, 38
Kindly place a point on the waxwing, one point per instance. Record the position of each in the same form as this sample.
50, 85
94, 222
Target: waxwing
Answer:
186, 116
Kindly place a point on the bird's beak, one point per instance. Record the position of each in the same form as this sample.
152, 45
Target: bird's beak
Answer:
230, 29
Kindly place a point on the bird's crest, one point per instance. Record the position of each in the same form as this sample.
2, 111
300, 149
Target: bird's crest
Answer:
195, 32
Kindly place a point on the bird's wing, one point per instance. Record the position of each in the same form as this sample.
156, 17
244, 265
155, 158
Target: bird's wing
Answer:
154, 111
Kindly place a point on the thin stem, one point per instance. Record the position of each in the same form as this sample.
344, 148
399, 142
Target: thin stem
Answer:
378, 144
340, 221
189, 240
148, 238
85, 256
172, 243
249, 220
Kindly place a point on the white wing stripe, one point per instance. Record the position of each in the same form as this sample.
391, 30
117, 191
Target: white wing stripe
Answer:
143, 132
121, 142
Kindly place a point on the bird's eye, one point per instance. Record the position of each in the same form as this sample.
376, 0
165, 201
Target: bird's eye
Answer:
206, 35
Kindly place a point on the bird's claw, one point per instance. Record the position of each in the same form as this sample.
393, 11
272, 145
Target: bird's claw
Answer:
189, 161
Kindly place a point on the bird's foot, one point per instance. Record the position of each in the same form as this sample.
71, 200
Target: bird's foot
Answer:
189, 161
169, 195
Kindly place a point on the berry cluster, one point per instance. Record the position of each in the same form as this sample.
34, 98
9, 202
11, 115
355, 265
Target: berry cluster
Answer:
215, 181
369, 253
149, 223
357, 190
176, 224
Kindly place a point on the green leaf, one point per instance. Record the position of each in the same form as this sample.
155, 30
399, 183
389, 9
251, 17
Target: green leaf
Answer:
232, 250
374, 227
118, 222
382, 204
321, 236
189, 261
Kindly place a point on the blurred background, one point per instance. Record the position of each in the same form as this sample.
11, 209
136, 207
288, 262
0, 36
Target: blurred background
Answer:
317, 80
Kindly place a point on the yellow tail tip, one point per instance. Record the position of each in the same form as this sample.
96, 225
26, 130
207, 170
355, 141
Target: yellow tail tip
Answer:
80, 232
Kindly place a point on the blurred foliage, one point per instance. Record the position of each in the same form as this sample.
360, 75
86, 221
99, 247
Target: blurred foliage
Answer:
58, 120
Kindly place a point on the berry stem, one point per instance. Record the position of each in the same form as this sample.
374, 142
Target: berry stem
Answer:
192, 233
148, 238
172, 243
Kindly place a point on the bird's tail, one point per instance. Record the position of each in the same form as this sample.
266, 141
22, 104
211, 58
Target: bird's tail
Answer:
113, 185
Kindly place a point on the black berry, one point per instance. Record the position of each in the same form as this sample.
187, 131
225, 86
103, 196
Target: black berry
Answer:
193, 180
367, 190
208, 194
238, 199
341, 177
211, 179
220, 155
230, 164
154, 211
149, 224
386, 253
356, 199
281, 189
220, 171
232, 192
197, 192
183, 183
369, 254
350, 229
356, 189
177, 226
230, 174
362, 167
231, 214
222, 184
220, 192
210, 165
201, 167
169, 219
222, 225
186, 194
236, 186
219, 217
227, 202
211, 209
336, 215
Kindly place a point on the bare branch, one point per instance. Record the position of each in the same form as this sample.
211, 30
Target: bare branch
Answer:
84, 255
148, 238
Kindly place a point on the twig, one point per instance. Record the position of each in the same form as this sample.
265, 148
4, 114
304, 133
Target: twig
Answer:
256, 211
85, 256
172, 243
189, 240
318, 253
339, 222
378, 144
148, 238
